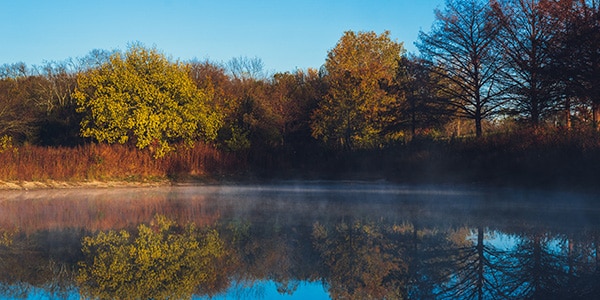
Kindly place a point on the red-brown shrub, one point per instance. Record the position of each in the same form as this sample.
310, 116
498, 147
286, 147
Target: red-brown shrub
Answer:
111, 162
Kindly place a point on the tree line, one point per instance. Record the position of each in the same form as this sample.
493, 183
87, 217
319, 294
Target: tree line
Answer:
494, 63
532, 60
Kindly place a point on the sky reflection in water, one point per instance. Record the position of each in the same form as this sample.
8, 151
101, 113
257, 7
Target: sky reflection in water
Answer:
359, 239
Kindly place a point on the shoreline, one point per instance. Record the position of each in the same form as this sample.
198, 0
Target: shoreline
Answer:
96, 184
17, 186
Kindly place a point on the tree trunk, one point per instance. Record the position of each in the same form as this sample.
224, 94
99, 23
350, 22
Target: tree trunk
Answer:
413, 121
478, 130
347, 133
535, 281
597, 253
535, 113
481, 262
596, 114
570, 258
568, 113
478, 119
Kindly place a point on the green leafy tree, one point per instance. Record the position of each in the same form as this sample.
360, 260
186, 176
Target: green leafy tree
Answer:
159, 262
142, 97
358, 107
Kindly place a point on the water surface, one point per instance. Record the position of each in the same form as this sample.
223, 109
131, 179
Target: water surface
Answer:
293, 240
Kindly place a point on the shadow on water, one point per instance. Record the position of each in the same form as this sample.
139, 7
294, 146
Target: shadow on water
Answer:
334, 240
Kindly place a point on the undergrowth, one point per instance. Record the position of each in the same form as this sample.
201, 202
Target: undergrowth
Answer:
111, 162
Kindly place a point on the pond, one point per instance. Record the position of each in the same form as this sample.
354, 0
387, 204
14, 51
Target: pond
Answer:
299, 240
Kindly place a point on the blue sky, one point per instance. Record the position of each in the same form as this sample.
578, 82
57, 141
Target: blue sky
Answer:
286, 35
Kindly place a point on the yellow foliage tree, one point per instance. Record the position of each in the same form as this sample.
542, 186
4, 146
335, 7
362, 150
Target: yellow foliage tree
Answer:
143, 97
359, 105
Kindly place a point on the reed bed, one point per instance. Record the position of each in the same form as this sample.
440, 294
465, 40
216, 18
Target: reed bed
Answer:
111, 162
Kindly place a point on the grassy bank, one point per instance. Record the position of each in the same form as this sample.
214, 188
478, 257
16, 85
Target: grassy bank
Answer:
528, 158
542, 158
101, 162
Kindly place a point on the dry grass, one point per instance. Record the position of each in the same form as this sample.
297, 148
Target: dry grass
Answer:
540, 157
111, 162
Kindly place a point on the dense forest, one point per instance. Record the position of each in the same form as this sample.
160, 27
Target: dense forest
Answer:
502, 91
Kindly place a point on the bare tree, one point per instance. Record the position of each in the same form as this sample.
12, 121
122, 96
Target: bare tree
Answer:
16, 70
16, 115
527, 34
94, 59
244, 68
60, 81
424, 107
462, 49
575, 56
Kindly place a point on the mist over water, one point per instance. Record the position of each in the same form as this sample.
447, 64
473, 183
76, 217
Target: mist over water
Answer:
325, 239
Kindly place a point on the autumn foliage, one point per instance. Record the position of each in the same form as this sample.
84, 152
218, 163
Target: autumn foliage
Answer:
143, 97
488, 72
112, 162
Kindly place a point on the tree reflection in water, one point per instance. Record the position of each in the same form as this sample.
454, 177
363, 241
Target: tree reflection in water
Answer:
161, 261
362, 260
26, 264
400, 249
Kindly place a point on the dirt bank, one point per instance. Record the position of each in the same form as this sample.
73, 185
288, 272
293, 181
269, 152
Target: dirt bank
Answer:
51, 184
